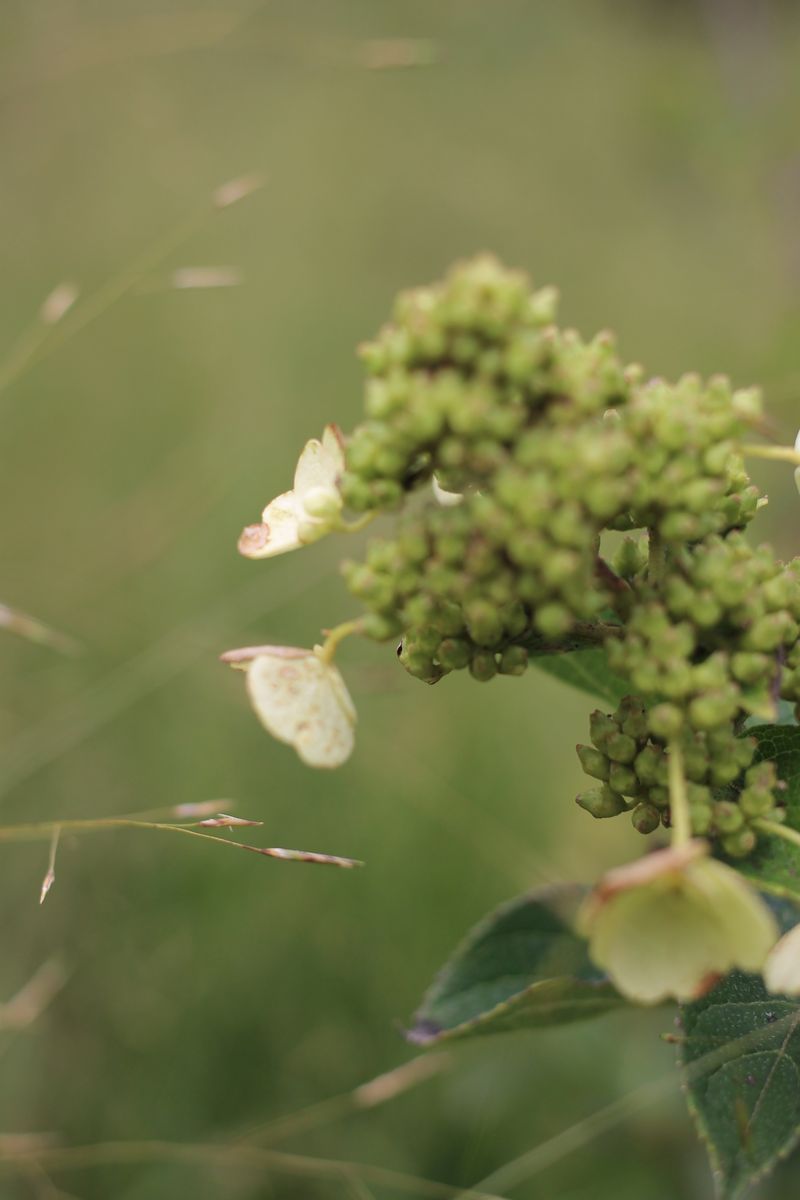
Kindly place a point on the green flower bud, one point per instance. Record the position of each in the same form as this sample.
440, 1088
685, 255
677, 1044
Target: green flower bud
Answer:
553, 621
484, 622
647, 765
712, 710
380, 628
513, 661
750, 668
739, 844
632, 717
620, 748
665, 720
727, 816
483, 666
723, 771
701, 818
454, 654
645, 818
601, 802
601, 728
594, 763
623, 779
754, 802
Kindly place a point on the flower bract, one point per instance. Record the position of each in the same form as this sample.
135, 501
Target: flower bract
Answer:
673, 922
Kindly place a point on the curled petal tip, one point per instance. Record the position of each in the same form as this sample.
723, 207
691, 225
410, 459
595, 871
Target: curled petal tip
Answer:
252, 539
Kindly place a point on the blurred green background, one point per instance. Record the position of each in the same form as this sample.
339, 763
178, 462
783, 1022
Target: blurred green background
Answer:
645, 157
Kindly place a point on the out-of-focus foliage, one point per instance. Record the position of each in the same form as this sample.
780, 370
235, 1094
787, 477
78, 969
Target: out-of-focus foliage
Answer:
643, 155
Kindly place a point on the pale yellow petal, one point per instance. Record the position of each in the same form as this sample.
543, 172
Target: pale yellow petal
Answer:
748, 930
277, 533
782, 968
304, 701
320, 464
654, 943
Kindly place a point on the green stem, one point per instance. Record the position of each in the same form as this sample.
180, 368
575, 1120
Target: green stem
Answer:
327, 651
678, 800
358, 524
772, 829
774, 453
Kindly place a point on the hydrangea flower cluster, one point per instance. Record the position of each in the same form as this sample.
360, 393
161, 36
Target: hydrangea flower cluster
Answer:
550, 498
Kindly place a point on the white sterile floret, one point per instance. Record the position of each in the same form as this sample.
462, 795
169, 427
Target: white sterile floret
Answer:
797, 469
675, 921
301, 699
310, 510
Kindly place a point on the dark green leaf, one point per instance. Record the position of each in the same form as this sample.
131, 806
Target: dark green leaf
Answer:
524, 967
741, 1064
775, 864
587, 670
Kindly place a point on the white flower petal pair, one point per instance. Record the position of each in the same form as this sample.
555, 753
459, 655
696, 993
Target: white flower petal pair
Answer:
310, 510
301, 699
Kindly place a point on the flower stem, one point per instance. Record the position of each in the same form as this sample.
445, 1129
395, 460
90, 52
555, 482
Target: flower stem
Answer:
776, 453
327, 652
678, 800
772, 829
358, 524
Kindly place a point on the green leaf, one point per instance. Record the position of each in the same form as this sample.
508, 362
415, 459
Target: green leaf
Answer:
741, 1064
587, 670
523, 967
775, 864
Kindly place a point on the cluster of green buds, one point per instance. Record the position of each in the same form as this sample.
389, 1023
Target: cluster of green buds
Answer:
631, 763
552, 498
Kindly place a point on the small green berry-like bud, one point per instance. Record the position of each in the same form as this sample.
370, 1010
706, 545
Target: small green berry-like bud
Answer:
645, 818
659, 796
666, 720
623, 780
484, 622
633, 717
755, 803
647, 765
553, 620
712, 710
601, 802
739, 844
454, 653
620, 748
601, 728
723, 771
728, 816
380, 628
701, 817
514, 661
483, 666
594, 763
743, 750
